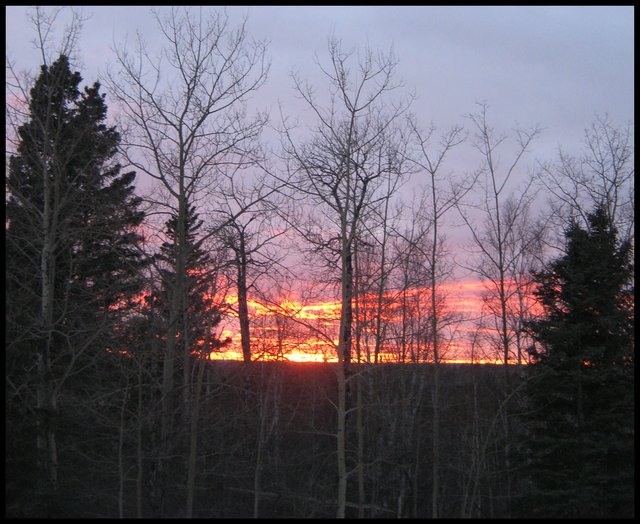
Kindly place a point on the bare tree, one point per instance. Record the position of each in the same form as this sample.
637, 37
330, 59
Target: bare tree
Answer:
410, 281
209, 344
185, 132
440, 202
491, 224
249, 231
378, 225
525, 248
46, 229
343, 169
602, 173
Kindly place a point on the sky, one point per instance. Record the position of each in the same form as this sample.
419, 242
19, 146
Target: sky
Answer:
556, 67
548, 65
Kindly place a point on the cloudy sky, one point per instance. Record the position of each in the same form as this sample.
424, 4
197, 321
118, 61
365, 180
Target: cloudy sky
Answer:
556, 66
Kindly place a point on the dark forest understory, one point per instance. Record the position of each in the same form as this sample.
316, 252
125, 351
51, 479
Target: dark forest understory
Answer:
266, 446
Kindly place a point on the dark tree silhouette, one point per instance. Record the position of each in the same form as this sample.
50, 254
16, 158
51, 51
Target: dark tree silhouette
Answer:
580, 423
195, 339
73, 257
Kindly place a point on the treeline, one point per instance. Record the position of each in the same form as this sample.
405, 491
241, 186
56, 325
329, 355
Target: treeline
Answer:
267, 446
114, 300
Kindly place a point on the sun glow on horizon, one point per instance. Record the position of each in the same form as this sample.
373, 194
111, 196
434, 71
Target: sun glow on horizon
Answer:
292, 331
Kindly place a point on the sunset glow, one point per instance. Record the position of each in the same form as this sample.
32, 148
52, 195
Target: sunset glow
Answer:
308, 332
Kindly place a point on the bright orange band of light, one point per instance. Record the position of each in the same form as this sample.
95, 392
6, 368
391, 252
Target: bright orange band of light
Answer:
300, 342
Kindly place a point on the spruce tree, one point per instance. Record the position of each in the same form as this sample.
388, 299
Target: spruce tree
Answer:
73, 267
194, 338
94, 217
199, 272
579, 445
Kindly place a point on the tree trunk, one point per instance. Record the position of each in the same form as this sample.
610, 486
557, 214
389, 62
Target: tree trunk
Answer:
346, 314
243, 308
341, 441
435, 488
139, 476
193, 438
381, 286
360, 429
436, 357
46, 401
257, 474
121, 474
344, 358
175, 312
186, 358
507, 392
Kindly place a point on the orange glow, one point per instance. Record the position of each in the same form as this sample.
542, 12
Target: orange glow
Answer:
307, 332
121, 352
292, 356
289, 329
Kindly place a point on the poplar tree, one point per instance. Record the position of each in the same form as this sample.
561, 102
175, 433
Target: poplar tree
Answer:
351, 165
579, 457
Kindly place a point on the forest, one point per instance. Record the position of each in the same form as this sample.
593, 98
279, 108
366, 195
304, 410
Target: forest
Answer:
123, 399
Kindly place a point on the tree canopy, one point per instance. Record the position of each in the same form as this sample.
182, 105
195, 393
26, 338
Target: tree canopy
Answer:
580, 418
73, 258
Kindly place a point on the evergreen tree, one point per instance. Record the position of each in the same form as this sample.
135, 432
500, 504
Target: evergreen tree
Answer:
94, 214
199, 272
197, 316
73, 262
580, 422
